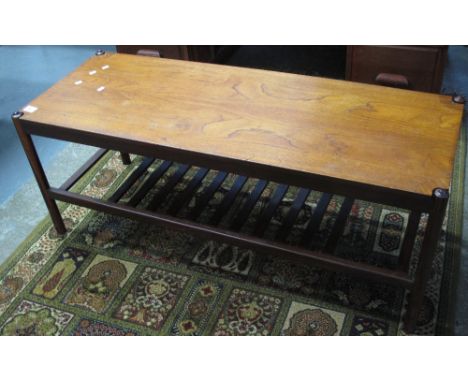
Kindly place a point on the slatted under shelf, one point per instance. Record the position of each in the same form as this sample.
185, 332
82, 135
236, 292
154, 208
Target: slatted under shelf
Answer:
173, 174
203, 200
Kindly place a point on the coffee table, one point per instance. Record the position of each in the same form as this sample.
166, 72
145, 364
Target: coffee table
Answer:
384, 145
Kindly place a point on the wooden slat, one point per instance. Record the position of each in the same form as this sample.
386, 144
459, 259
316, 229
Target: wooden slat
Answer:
339, 225
83, 169
168, 187
125, 158
408, 241
315, 219
149, 183
139, 171
270, 209
184, 197
249, 204
208, 194
292, 213
228, 199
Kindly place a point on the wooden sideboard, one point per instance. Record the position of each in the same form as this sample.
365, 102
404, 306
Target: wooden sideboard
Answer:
411, 67
202, 53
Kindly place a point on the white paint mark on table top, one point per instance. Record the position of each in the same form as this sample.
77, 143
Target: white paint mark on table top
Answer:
30, 109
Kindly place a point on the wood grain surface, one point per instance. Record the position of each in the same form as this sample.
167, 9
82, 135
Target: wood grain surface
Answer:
398, 139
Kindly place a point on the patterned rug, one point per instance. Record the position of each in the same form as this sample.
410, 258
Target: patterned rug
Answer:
113, 276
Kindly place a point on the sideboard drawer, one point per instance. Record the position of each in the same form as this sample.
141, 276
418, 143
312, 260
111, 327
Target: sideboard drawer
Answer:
421, 67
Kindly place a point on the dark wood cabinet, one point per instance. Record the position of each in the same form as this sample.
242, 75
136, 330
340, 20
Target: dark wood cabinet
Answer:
411, 67
420, 67
203, 53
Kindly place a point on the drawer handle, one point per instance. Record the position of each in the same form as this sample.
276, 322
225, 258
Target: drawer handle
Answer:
149, 52
393, 80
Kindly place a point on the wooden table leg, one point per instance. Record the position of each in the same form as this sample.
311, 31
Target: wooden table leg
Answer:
125, 158
426, 257
408, 241
39, 173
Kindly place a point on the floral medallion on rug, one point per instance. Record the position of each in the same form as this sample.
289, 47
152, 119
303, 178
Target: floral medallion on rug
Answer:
114, 276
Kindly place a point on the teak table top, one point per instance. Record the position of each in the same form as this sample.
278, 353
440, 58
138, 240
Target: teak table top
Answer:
392, 138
